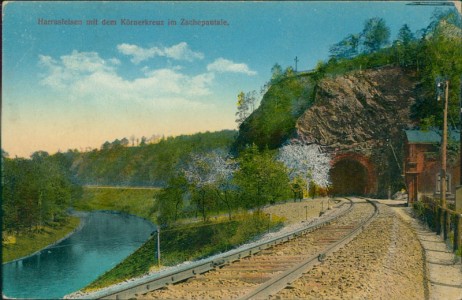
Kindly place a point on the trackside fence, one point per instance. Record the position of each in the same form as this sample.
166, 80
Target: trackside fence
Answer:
443, 221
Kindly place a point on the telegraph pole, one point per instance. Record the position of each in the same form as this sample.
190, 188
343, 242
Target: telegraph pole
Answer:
460, 132
158, 244
296, 62
444, 142
158, 247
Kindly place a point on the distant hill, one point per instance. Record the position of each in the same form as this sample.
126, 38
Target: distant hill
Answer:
148, 165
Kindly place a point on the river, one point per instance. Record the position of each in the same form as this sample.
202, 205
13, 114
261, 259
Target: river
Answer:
104, 241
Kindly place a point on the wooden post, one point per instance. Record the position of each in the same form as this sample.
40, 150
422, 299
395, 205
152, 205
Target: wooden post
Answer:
446, 225
457, 232
438, 220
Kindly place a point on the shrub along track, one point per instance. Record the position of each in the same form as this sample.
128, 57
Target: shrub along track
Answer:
270, 270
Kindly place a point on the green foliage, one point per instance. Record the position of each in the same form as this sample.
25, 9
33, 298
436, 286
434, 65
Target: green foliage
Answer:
211, 184
296, 186
170, 201
440, 56
135, 201
242, 108
375, 35
27, 243
436, 54
405, 47
276, 73
346, 48
144, 165
190, 242
261, 179
419, 209
274, 121
35, 192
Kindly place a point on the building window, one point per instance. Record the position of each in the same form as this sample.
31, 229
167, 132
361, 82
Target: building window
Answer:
438, 184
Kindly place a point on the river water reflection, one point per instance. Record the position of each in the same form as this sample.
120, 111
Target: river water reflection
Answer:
105, 240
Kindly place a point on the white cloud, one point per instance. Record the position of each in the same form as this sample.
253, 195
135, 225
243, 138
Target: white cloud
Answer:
222, 65
179, 51
64, 71
138, 54
85, 75
182, 51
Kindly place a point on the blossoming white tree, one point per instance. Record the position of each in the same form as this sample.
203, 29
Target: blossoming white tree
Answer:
210, 171
306, 161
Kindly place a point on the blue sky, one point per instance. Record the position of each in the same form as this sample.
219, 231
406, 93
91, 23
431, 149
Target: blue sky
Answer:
76, 86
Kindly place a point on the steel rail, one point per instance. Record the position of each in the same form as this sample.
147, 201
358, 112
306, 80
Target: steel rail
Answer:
276, 284
160, 280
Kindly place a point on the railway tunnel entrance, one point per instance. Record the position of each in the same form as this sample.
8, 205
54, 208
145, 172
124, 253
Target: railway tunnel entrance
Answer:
352, 175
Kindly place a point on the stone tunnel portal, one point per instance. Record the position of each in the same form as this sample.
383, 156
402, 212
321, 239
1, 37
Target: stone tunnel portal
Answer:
349, 177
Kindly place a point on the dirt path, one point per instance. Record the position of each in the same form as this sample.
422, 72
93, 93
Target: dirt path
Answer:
296, 212
444, 275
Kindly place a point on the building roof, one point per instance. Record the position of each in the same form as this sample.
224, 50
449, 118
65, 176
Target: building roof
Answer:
429, 136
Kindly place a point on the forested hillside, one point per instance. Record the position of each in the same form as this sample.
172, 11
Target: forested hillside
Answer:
143, 165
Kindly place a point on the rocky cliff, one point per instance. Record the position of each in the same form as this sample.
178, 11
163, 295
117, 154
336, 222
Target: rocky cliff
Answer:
360, 111
362, 115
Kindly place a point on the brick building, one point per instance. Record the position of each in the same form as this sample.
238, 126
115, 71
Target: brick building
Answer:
422, 164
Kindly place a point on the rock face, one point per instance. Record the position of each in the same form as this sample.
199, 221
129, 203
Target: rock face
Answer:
360, 111
359, 117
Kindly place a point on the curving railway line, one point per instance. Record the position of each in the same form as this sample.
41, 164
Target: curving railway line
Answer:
259, 271
271, 270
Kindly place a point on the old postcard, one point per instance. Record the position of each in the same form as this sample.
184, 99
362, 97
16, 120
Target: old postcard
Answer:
256, 149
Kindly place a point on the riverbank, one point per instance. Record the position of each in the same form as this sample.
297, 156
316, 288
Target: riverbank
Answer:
106, 239
28, 244
135, 201
187, 243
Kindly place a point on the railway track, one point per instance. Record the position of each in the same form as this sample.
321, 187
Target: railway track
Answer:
270, 270
257, 271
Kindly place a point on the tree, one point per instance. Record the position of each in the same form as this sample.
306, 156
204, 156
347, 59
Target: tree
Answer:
209, 173
375, 35
35, 192
242, 108
346, 48
106, 146
307, 162
143, 141
276, 73
260, 179
405, 35
440, 55
124, 142
251, 99
39, 155
171, 199
296, 186
404, 46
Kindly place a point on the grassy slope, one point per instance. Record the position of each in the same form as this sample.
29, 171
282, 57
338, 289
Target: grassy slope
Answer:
188, 242
29, 243
139, 202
